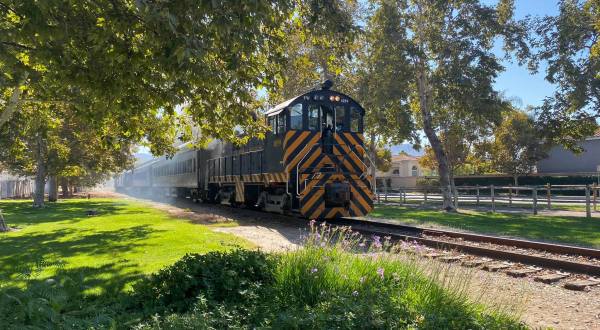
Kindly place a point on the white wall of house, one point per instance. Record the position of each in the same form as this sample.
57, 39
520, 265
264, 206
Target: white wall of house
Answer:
404, 171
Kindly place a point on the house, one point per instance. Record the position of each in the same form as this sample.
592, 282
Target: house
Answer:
404, 171
561, 160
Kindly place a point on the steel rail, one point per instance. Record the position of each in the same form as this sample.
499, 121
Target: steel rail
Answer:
521, 243
414, 232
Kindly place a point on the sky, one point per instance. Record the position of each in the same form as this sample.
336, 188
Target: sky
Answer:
517, 81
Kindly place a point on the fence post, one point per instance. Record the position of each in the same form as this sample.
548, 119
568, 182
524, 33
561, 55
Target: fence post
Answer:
493, 198
595, 193
534, 196
425, 197
588, 211
510, 195
456, 197
549, 195
477, 195
404, 194
385, 192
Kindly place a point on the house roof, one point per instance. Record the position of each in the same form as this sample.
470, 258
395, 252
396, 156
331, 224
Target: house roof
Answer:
403, 157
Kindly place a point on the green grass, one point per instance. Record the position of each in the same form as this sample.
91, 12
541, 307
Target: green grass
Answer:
124, 241
573, 230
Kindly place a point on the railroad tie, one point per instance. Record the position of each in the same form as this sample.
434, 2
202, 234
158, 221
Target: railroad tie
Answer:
474, 262
522, 272
581, 285
496, 266
550, 278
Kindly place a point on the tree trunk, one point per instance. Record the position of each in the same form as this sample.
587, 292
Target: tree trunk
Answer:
40, 176
13, 103
52, 189
453, 186
64, 186
373, 155
434, 141
3, 226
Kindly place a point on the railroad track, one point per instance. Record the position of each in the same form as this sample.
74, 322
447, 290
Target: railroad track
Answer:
464, 243
491, 247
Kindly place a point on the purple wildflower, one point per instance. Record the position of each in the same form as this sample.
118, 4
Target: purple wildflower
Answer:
314, 270
355, 293
380, 272
377, 241
361, 244
322, 244
312, 223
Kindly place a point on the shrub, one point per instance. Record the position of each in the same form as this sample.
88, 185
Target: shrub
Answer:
216, 276
340, 280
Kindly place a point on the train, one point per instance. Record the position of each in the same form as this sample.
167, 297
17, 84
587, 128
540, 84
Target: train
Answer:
312, 163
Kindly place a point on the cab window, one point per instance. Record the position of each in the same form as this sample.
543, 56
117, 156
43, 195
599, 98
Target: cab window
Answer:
281, 123
296, 116
273, 124
340, 118
313, 117
355, 120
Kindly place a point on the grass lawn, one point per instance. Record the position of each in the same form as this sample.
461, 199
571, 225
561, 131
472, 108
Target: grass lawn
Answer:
110, 250
573, 230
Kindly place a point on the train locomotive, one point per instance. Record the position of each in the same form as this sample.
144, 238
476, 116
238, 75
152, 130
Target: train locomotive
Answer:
312, 162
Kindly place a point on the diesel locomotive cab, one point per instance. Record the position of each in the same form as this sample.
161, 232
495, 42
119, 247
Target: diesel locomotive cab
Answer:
323, 153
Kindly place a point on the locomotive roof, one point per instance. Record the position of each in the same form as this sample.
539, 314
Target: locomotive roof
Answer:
281, 106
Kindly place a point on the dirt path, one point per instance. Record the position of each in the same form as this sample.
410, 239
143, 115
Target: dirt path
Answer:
539, 305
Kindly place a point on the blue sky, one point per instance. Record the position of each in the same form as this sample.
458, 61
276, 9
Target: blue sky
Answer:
517, 81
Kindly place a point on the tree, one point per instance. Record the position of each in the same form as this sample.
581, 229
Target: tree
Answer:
383, 159
319, 44
517, 146
52, 141
134, 62
569, 44
446, 58
125, 58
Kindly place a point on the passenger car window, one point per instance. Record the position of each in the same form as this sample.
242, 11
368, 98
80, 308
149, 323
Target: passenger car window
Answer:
296, 116
313, 117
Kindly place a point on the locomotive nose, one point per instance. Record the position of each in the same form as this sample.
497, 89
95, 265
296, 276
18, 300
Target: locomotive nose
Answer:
337, 194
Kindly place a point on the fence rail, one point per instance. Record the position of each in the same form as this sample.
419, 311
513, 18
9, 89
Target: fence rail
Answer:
510, 196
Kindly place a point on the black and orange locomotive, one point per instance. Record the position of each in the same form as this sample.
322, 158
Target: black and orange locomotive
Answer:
313, 162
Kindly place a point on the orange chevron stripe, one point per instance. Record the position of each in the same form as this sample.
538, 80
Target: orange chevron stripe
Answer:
295, 144
318, 211
310, 143
308, 205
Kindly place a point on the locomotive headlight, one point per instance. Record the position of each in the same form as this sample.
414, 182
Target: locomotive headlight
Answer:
332, 98
337, 98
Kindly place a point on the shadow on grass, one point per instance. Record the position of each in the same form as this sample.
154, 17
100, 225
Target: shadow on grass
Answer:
18, 212
572, 230
21, 252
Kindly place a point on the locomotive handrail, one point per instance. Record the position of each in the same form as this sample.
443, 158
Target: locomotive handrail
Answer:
298, 167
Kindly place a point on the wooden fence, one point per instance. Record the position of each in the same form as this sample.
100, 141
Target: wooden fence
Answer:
534, 197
